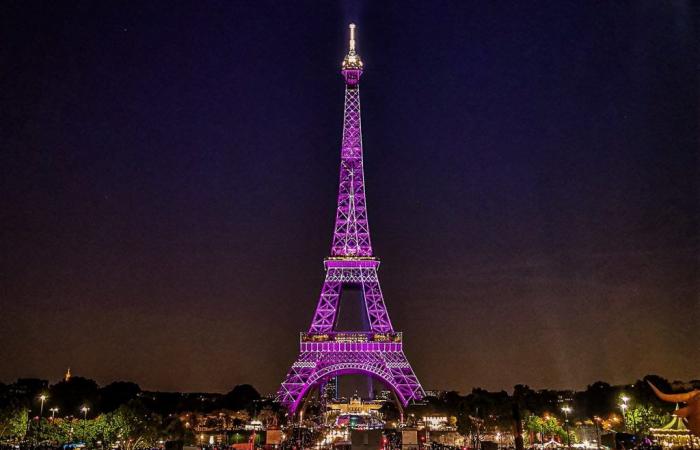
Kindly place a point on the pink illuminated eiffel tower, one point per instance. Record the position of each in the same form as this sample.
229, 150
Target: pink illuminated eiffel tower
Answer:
324, 351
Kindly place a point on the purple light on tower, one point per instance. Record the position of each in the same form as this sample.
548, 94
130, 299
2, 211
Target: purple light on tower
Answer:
324, 351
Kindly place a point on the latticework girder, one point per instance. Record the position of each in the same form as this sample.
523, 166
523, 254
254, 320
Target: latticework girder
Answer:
325, 353
351, 232
343, 273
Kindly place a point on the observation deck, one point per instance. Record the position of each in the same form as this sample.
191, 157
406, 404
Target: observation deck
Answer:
351, 341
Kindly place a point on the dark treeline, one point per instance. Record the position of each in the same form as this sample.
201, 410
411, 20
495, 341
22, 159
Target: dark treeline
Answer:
599, 399
70, 396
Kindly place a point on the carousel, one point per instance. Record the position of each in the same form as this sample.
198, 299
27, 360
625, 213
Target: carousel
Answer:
675, 434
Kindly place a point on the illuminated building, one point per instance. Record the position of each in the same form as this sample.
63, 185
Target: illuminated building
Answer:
357, 414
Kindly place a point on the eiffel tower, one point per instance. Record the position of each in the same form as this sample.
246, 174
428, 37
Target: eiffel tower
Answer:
324, 351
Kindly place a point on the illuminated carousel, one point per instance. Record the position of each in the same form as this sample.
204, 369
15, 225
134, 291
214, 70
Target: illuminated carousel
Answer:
675, 434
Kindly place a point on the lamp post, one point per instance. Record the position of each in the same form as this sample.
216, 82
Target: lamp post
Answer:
85, 410
623, 407
53, 413
567, 410
42, 397
597, 421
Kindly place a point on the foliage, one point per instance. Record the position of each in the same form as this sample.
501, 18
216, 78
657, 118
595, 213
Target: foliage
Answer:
546, 428
69, 396
116, 394
241, 397
131, 426
135, 427
13, 423
640, 418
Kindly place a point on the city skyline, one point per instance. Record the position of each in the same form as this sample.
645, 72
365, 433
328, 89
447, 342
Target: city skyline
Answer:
171, 175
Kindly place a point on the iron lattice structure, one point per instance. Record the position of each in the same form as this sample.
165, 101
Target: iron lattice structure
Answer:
324, 351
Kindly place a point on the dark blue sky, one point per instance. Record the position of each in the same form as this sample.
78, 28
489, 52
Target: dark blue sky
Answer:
169, 174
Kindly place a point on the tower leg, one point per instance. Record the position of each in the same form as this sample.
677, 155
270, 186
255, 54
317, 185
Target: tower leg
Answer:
312, 368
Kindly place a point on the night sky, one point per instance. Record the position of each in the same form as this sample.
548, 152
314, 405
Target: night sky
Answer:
169, 174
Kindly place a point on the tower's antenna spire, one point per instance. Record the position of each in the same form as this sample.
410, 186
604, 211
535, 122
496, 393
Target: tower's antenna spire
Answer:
352, 38
352, 60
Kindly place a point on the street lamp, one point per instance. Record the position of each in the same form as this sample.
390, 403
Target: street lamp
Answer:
623, 408
567, 410
85, 410
597, 421
43, 398
53, 412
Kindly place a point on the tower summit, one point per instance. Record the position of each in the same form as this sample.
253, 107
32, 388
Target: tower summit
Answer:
324, 351
352, 64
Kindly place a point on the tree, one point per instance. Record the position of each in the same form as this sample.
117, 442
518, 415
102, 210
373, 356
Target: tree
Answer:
535, 426
598, 399
13, 423
526, 398
241, 397
116, 394
70, 395
133, 426
57, 431
546, 427
642, 417
552, 428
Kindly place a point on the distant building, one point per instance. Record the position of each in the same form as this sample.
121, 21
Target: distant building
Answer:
27, 387
435, 393
330, 389
215, 422
385, 395
437, 423
357, 406
565, 397
356, 414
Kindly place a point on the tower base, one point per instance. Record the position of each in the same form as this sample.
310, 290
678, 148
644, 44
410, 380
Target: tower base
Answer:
323, 356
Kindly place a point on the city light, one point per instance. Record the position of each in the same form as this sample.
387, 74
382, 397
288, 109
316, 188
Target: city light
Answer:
84, 410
